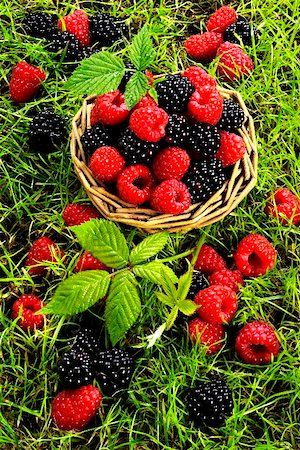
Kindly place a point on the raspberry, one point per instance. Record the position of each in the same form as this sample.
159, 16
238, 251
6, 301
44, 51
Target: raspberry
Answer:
77, 24
287, 206
106, 164
28, 305
206, 105
149, 123
204, 141
233, 62
109, 109
232, 148
232, 116
208, 334
42, 250
171, 197
171, 163
257, 343
254, 255
95, 137
135, 184
221, 19
68, 46
25, 82
46, 131
174, 93
240, 32
106, 30
75, 369
210, 403
218, 304
199, 77
76, 214
199, 282
177, 130
39, 24
146, 102
72, 409
209, 261
88, 262
232, 279
134, 150
203, 47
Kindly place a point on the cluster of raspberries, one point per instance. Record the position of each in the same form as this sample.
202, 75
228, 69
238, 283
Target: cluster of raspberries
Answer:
227, 34
168, 154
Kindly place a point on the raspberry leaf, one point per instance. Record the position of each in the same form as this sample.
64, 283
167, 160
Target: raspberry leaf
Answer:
152, 271
167, 284
149, 247
172, 317
141, 51
187, 307
135, 89
184, 284
165, 299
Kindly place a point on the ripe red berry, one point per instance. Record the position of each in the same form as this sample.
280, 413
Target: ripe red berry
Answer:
254, 255
232, 148
149, 123
285, 205
72, 409
172, 162
218, 304
206, 105
88, 262
42, 250
203, 47
232, 279
171, 197
106, 164
135, 184
210, 335
199, 77
28, 305
109, 109
77, 24
146, 102
76, 214
221, 19
257, 343
209, 260
234, 62
25, 82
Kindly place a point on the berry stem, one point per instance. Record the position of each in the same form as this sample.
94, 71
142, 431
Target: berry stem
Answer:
199, 244
175, 257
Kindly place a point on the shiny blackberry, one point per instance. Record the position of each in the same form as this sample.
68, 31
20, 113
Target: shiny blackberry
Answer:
39, 24
75, 369
199, 282
232, 116
134, 150
204, 141
86, 342
174, 93
95, 137
106, 30
69, 44
46, 131
210, 403
177, 130
240, 31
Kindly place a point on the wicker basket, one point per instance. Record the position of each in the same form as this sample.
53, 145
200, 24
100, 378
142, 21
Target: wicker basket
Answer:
233, 191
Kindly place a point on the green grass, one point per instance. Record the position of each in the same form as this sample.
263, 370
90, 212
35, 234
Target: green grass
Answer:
33, 192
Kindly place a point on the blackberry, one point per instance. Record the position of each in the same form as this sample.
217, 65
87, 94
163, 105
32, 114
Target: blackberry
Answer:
134, 150
114, 370
67, 42
39, 24
95, 137
129, 71
177, 130
174, 93
106, 30
204, 141
239, 31
232, 116
85, 342
210, 403
46, 130
75, 369
199, 282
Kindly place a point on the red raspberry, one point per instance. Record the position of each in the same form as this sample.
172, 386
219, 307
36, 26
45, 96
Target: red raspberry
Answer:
218, 304
232, 148
203, 47
76, 214
72, 409
150, 77
77, 24
254, 255
148, 123
209, 261
221, 19
206, 105
171, 163
208, 334
287, 206
25, 82
109, 109
199, 77
232, 279
42, 250
135, 184
88, 262
171, 197
106, 164
257, 343
234, 62
146, 102
29, 305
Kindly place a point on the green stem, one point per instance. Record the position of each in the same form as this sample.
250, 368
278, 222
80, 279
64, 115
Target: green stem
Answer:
199, 244
173, 258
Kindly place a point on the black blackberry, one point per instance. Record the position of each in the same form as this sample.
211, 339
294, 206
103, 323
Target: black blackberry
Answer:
174, 93
95, 137
86, 342
129, 71
75, 369
67, 42
134, 150
177, 130
46, 130
39, 24
106, 30
199, 282
204, 141
210, 403
232, 116
239, 31
114, 370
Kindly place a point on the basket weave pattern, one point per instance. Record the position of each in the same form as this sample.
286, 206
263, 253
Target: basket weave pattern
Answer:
242, 180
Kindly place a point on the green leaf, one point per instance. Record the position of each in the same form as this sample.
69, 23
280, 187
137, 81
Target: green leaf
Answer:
78, 293
171, 317
152, 338
152, 271
167, 283
153, 93
104, 241
149, 247
123, 306
165, 299
187, 307
184, 284
135, 89
141, 51
99, 74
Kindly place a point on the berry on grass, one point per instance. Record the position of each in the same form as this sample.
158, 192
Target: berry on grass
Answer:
203, 47
232, 148
76, 23
204, 141
285, 205
28, 305
218, 304
95, 137
257, 343
135, 150
232, 279
135, 184
171, 163
46, 131
39, 24
199, 282
75, 369
209, 260
254, 255
106, 164
86, 342
206, 105
240, 32
199, 77
221, 19
88, 262
109, 109
233, 62
42, 250
174, 93
210, 335
177, 130
106, 30
76, 214
232, 117
69, 46
25, 82
149, 124
171, 197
